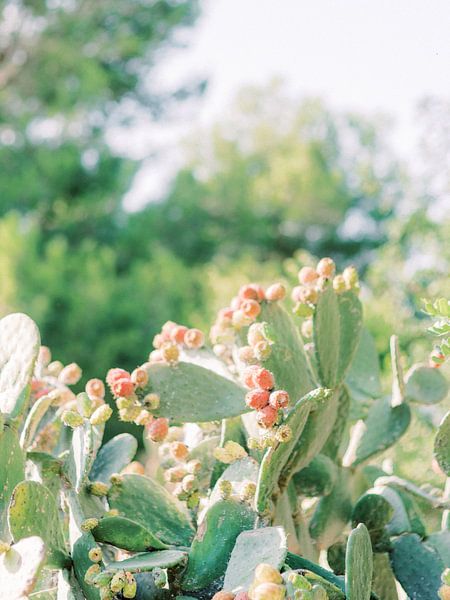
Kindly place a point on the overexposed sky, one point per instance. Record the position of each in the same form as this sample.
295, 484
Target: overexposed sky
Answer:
366, 55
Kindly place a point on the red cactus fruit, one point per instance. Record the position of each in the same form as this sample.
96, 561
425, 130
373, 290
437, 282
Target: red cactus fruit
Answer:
267, 416
251, 308
264, 379
115, 374
257, 398
248, 375
279, 399
122, 387
158, 429
275, 292
307, 275
194, 338
177, 334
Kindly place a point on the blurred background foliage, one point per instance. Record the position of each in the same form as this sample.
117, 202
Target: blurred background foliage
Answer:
273, 176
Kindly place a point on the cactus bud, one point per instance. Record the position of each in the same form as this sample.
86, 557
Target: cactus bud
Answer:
350, 276
95, 554
307, 276
123, 403
4, 547
55, 368
248, 490
179, 451
253, 443
139, 377
152, 401
122, 387
223, 596
304, 295
175, 474
72, 419
98, 488
246, 355
116, 479
117, 582
193, 501
275, 292
267, 417
95, 388
339, 285
189, 483
127, 415
257, 398
256, 334
89, 524
102, 579
170, 352
318, 593
129, 589
445, 577
298, 581
135, 468
269, 591
112, 512
194, 338
264, 379
326, 268
265, 573
101, 414
91, 573
194, 466
307, 328
158, 429
44, 356
279, 399
143, 418
283, 433
116, 374
251, 309
240, 319
70, 374
225, 488
262, 350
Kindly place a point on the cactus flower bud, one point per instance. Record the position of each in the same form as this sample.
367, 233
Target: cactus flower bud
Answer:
339, 284
225, 488
262, 350
95, 388
44, 356
70, 375
179, 451
139, 377
55, 368
152, 401
170, 352
267, 417
248, 490
116, 479
189, 483
275, 292
143, 418
122, 387
307, 328
269, 591
135, 468
223, 596
117, 582
177, 334
256, 333
95, 554
101, 414
326, 268
264, 379
240, 319
175, 474
279, 399
307, 276
128, 415
72, 419
248, 375
98, 488
350, 276
194, 338
251, 309
129, 589
283, 433
194, 466
257, 398
246, 355
4, 547
89, 524
91, 573
265, 573
158, 429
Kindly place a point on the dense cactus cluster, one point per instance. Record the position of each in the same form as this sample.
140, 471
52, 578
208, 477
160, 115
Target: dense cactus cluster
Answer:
260, 473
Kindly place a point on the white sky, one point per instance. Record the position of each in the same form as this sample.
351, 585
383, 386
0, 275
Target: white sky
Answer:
368, 55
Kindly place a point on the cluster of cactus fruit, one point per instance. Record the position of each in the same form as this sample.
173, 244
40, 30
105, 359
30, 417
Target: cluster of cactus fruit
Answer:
261, 472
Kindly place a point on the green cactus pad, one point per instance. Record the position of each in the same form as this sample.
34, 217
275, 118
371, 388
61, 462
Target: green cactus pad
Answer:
276, 457
86, 441
68, 587
126, 534
440, 541
332, 513
337, 329
268, 545
383, 580
385, 425
33, 419
147, 561
333, 446
417, 567
288, 359
425, 385
375, 512
191, 393
33, 512
204, 452
363, 377
145, 501
82, 562
214, 542
20, 568
318, 478
12, 472
442, 445
405, 517
19, 347
114, 456
358, 564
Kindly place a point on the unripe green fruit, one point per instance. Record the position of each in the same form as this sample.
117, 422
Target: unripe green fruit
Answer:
95, 554
90, 574
225, 488
106, 594
89, 524
72, 419
102, 579
101, 414
339, 284
445, 577
98, 488
4, 547
248, 491
117, 582
123, 403
193, 501
129, 589
318, 593
269, 591
283, 433
152, 401
116, 479
265, 573
299, 582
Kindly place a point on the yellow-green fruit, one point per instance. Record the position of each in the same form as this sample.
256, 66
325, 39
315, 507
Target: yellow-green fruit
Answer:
116, 479
265, 573
123, 402
101, 414
89, 524
106, 594
91, 573
95, 554
4, 547
319, 593
444, 592
117, 582
72, 419
269, 591
129, 589
98, 488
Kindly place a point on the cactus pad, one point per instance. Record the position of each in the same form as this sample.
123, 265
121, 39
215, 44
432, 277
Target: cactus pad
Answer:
358, 564
12, 471
113, 456
363, 377
126, 534
86, 441
442, 445
318, 478
147, 561
425, 385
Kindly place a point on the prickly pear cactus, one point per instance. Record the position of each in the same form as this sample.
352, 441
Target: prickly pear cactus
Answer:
262, 447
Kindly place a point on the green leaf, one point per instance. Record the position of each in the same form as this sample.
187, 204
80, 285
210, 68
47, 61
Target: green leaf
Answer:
33, 512
191, 393
442, 444
20, 568
363, 377
287, 360
147, 561
337, 327
146, 502
126, 534
214, 542
268, 545
12, 472
417, 567
385, 425
425, 385
19, 347
113, 456
358, 564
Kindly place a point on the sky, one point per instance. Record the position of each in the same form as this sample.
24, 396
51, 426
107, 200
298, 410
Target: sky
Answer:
366, 55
